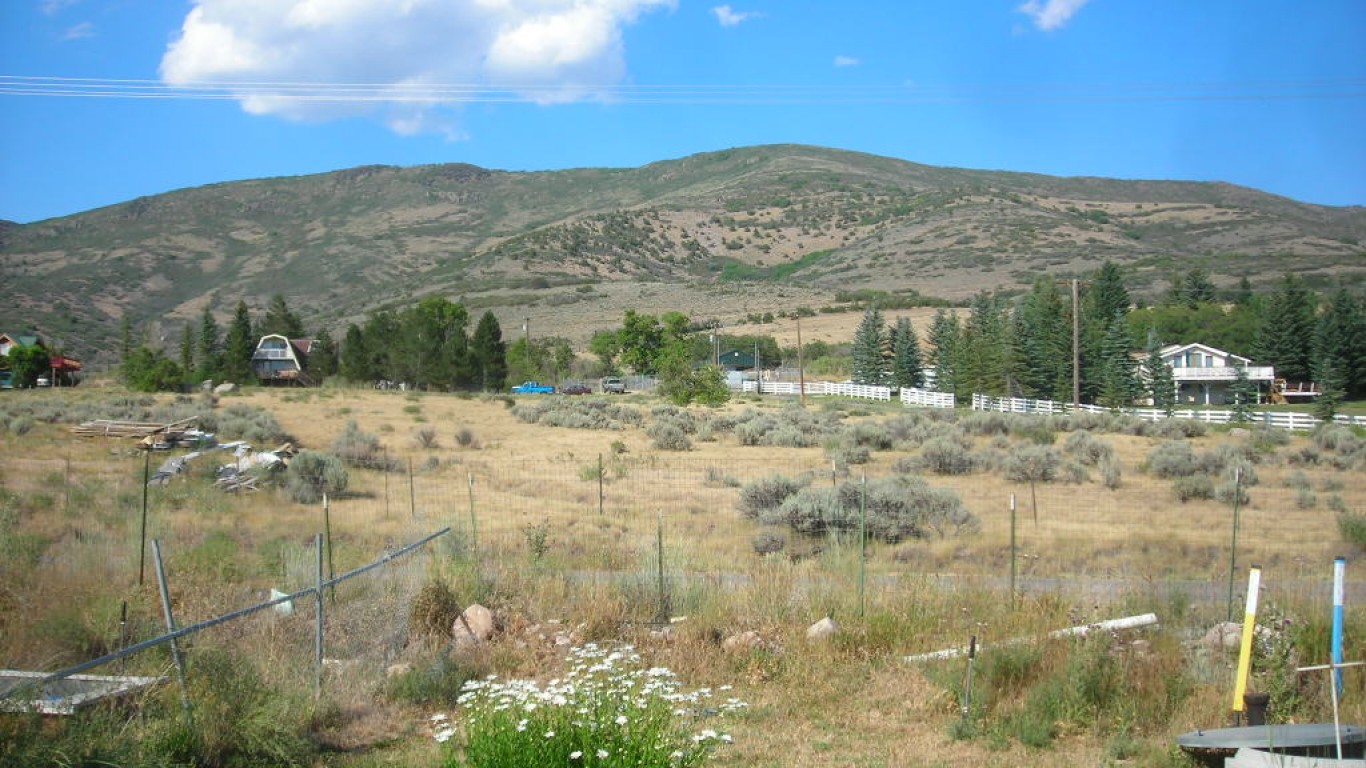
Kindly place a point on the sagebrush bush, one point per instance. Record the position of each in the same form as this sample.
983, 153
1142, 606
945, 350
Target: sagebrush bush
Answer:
768, 543
1190, 487
894, 509
944, 456
766, 493
312, 473
668, 436
1174, 458
1033, 463
426, 438
1087, 448
985, 423
1336, 437
1111, 473
579, 413
358, 448
846, 453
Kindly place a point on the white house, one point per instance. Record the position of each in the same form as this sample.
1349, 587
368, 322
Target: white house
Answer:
1203, 374
278, 360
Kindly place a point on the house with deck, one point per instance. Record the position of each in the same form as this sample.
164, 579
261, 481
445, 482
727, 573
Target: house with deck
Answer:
278, 360
1203, 374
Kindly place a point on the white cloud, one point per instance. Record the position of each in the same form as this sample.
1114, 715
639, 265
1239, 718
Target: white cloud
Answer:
409, 62
1051, 14
846, 61
54, 7
82, 30
729, 17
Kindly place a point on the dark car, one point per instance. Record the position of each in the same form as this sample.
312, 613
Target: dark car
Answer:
576, 389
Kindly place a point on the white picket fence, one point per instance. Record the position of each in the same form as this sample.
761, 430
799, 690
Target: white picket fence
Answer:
819, 389
1280, 419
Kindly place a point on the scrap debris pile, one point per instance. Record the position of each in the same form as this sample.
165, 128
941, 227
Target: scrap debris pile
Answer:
246, 468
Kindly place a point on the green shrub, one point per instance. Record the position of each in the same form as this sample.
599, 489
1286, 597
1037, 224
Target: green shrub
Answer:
894, 509
1352, 528
311, 474
1087, 448
1190, 487
1173, 458
669, 436
1111, 473
1033, 463
435, 683
846, 453
945, 456
434, 611
766, 494
358, 449
768, 543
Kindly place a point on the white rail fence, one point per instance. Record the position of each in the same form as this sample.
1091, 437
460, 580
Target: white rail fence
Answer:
1280, 419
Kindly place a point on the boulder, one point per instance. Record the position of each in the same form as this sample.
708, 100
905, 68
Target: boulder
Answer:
1226, 634
225, 388
823, 629
744, 641
475, 626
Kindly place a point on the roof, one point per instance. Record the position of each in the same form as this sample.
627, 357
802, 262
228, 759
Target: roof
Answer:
1172, 350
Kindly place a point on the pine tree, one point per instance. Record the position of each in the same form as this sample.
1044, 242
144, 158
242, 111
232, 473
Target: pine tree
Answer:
1105, 297
209, 351
1041, 343
867, 359
187, 351
982, 349
906, 361
1161, 380
1340, 344
1287, 329
279, 320
1119, 383
488, 352
944, 337
239, 346
355, 357
322, 358
1242, 395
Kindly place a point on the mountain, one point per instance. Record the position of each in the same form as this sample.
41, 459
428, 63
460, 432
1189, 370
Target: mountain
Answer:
719, 234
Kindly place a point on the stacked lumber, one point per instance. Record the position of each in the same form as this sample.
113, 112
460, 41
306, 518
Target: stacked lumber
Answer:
142, 429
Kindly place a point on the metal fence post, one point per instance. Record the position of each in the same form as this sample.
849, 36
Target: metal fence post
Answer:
318, 622
176, 655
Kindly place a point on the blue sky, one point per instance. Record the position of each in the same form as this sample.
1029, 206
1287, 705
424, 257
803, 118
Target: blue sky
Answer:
102, 101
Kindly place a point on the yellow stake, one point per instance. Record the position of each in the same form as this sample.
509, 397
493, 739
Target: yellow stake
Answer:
1254, 580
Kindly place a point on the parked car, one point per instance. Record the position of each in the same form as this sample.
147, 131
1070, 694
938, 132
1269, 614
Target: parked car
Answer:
576, 388
533, 388
614, 385
44, 381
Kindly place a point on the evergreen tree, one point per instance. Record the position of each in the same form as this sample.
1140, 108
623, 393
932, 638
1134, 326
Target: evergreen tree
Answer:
355, 357
1244, 295
280, 320
322, 358
944, 337
1195, 288
1331, 392
1041, 343
125, 339
1340, 344
239, 346
867, 360
432, 348
1161, 379
1104, 298
1242, 395
381, 333
906, 361
1118, 381
187, 351
488, 354
209, 351
1287, 330
983, 349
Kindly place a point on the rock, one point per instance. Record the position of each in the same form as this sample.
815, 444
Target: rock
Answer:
399, 669
823, 629
1225, 634
475, 626
225, 388
1240, 433
745, 641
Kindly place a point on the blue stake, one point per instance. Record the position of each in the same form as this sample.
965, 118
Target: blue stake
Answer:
1339, 576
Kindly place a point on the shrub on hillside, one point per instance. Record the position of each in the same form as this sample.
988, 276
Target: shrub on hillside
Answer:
766, 493
668, 436
311, 474
1189, 487
357, 448
944, 456
1173, 458
894, 509
1033, 463
1087, 448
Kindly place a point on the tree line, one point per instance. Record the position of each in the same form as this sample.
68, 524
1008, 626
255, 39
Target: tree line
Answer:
1022, 346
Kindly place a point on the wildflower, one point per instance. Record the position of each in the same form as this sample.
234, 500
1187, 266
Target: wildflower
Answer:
575, 755
621, 719
602, 754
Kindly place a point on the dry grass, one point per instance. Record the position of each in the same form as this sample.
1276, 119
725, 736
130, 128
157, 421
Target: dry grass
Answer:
846, 704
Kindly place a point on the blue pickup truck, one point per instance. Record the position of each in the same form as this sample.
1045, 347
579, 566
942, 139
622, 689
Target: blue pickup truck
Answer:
533, 388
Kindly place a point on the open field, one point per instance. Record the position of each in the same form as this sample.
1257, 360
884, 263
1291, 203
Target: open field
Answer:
536, 539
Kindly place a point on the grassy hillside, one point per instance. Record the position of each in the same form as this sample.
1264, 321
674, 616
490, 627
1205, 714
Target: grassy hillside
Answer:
709, 234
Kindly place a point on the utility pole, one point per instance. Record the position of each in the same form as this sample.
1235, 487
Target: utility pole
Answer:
1076, 348
801, 366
